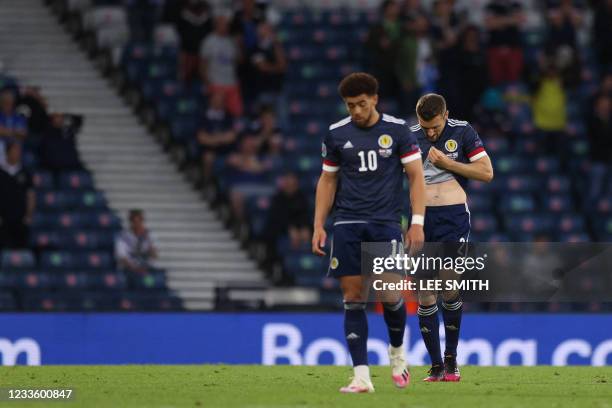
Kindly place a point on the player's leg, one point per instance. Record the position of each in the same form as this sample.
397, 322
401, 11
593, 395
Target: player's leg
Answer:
452, 311
345, 264
429, 325
458, 218
394, 311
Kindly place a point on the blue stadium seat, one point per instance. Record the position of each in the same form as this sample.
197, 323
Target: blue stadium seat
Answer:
17, 259
184, 128
151, 280
57, 261
517, 203
484, 223
35, 280
76, 180
557, 203
43, 239
548, 165
86, 239
7, 301
108, 280
512, 165
42, 180
570, 223
497, 146
54, 200
8, 278
520, 225
574, 237
523, 183
257, 208
479, 202
149, 301
558, 184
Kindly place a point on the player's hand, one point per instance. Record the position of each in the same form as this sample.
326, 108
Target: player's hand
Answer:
437, 158
319, 237
414, 239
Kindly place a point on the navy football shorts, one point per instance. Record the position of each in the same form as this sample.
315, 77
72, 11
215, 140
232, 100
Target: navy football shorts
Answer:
447, 231
345, 255
447, 223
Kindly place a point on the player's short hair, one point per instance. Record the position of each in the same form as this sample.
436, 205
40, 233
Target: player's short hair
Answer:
358, 83
430, 105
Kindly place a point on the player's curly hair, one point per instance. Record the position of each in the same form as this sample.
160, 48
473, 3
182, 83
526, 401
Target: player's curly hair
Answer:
430, 105
358, 83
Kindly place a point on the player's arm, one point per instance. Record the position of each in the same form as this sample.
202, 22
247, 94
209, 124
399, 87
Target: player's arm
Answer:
326, 191
479, 168
415, 235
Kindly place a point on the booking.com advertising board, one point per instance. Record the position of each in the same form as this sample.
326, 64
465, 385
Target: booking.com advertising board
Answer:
289, 338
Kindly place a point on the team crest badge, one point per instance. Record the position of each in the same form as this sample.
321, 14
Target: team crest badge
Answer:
450, 145
323, 150
385, 141
334, 263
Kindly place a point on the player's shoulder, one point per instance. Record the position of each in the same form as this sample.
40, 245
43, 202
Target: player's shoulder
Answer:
461, 127
392, 120
340, 125
458, 123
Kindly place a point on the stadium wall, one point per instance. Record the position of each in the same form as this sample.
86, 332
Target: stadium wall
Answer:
289, 338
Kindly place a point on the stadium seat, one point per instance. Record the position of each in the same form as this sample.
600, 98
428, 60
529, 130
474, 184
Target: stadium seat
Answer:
484, 223
17, 259
150, 280
76, 180
520, 225
557, 203
517, 203
42, 180
512, 165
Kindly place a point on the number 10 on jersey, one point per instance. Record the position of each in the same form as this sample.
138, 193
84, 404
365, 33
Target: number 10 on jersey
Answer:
372, 160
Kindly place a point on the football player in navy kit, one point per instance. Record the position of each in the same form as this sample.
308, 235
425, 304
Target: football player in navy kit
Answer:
364, 158
453, 154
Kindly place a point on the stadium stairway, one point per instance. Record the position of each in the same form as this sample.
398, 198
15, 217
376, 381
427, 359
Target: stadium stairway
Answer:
198, 252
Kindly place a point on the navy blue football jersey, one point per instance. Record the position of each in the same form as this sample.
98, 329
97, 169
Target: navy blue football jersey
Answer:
370, 165
459, 141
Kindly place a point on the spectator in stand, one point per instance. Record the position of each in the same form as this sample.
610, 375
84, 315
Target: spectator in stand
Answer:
472, 71
505, 52
564, 20
599, 130
414, 22
18, 199
249, 173
382, 45
217, 134
244, 28
602, 32
289, 214
58, 151
136, 248
549, 105
219, 57
268, 134
269, 63
193, 24
13, 126
445, 32
143, 14
33, 106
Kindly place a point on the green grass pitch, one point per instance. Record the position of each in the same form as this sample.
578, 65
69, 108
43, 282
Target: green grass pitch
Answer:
285, 386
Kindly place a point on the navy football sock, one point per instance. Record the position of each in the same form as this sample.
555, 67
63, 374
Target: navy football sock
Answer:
429, 325
451, 312
395, 317
356, 332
